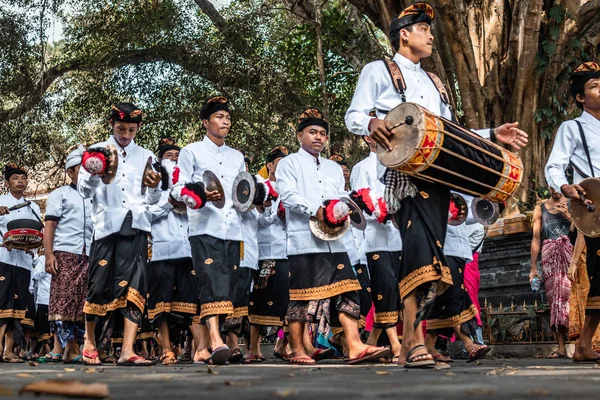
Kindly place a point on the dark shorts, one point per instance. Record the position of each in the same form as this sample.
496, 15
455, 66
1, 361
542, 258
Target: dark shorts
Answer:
271, 293
321, 276
216, 263
384, 268
362, 274
453, 307
42, 326
240, 292
118, 273
173, 290
14, 292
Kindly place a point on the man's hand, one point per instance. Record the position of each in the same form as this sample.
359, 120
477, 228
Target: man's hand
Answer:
213, 195
572, 271
176, 203
572, 192
563, 209
380, 133
321, 215
511, 135
532, 275
152, 179
4, 210
51, 264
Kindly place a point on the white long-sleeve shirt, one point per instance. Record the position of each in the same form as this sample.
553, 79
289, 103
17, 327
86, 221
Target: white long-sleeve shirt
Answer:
16, 258
169, 231
569, 147
378, 237
111, 203
249, 231
304, 182
272, 238
74, 216
225, 163
457, 243
354, 241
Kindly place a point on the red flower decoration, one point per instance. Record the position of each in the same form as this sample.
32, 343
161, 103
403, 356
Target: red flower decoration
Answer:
94, 161
175, 175
272, 195
453, 210
383, 211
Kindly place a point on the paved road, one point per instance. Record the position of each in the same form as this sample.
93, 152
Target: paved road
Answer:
511, 379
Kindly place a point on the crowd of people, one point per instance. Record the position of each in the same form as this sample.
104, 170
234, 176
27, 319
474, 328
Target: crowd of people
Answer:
150, 253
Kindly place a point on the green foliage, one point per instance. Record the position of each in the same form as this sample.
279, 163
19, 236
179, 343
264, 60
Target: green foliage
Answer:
167, 56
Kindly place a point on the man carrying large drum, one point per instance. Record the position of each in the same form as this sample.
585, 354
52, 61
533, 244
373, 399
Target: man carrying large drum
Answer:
422, 205
574, 145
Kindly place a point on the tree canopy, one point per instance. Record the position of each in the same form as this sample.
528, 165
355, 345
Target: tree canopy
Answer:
502, 60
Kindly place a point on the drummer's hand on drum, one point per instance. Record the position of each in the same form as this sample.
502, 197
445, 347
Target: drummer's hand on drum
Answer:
4, 210
51, 264
152, 179
213, 195
572, 192
511, 135
380, 133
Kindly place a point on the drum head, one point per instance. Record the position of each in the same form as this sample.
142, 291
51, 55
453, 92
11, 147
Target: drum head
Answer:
406, 136
244, 189
147, 169
588, 222
357, 218
316, 229
485, 211
24, 224
212, 183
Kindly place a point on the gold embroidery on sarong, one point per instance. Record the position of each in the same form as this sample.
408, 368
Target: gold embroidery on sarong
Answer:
193, 272
359, 271
340, 266
453, 321
408, 225
387, 317
269, 303
375, 257
102, 263
2, 278
379, 297
265, 320
123, 283
325, 292
426, 273
208, 261
424, 195
216, 308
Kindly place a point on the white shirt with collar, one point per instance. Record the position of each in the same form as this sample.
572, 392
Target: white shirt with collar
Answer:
16, 258
169, 231
74, 215
569, 147
42, 281
225, 163
354, 242
378, 237
111, 203
249, 231
304, 183
375, 89
272, 243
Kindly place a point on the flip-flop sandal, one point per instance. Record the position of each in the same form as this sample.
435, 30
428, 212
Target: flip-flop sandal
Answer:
410, 363
364, 357
236, 356
90, 355
131, 362
186, 358
558, 355
54, 357
302, 360
322, 354
281, 356
13, 360
441, 365
75, 360
253, 360
478, 353
442, 358
219, 356
168, 358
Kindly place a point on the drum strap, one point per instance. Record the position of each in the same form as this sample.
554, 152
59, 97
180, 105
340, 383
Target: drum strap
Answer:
400, 83
586, 149
35, 214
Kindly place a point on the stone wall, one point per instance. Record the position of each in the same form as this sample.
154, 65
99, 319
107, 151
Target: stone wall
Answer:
504, 266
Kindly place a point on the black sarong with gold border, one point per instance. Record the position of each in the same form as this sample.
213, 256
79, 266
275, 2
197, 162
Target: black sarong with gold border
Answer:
14, 291
592, 306
384, 268
453, 307
271, 294
319, 276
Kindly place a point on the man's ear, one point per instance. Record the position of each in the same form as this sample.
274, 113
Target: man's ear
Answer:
580, 98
